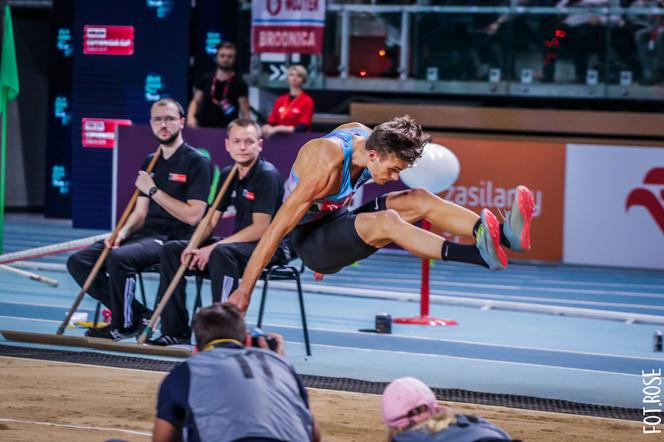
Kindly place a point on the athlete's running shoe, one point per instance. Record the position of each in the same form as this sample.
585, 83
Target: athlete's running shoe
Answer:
518, 220
488, 241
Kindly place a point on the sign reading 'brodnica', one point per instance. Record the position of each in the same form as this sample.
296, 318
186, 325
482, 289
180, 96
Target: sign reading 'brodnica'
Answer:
288, 26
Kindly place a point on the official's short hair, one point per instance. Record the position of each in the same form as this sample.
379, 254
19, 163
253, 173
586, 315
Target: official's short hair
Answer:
244, 122
218, 321
401, 137
300, 70
165, 101
225, 45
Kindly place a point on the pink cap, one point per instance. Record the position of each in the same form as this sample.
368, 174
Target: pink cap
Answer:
403, 395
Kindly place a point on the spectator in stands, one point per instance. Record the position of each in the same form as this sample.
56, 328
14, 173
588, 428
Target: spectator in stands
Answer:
230, 392
585, 35
411, 414
292, 112
499, 39
220, 96
649, 40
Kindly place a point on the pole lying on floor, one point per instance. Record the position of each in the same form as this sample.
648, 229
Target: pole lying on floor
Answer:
107, 250
94, 343
53, 249
29, 275
194, 242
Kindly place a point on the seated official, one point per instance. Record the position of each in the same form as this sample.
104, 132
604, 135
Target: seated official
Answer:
172, 201
256, 193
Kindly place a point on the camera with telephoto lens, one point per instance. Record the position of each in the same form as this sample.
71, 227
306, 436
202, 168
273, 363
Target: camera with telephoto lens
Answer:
257, 333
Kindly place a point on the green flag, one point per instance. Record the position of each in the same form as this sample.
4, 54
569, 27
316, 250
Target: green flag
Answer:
8, 69
8, 91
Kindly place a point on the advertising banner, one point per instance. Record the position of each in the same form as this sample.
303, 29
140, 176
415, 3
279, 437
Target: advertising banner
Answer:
126, 55
614, 206
287, 26
491, 169
100, 132
108, 40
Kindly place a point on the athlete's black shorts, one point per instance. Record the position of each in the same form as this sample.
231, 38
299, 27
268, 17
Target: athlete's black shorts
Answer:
330, 243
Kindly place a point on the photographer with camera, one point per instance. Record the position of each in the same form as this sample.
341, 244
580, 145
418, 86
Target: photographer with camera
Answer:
229, 392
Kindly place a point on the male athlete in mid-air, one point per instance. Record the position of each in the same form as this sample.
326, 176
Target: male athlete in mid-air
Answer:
327, 236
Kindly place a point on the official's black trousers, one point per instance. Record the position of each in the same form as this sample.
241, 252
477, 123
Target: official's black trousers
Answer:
225, 268
115, 283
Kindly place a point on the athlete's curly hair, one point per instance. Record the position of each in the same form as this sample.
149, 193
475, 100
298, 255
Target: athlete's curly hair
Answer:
401, 137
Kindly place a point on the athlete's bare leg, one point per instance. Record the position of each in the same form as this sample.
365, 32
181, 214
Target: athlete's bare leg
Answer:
415, 204
404, 208
386, 226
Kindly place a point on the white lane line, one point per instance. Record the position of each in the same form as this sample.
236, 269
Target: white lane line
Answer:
501, 296
77, 427
528, 307
30, 319
464, 358
442, 283
37, 304
455, 341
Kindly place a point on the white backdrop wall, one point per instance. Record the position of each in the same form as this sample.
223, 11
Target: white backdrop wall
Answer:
611, 216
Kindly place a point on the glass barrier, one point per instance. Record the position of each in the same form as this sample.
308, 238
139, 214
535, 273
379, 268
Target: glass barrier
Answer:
576, 48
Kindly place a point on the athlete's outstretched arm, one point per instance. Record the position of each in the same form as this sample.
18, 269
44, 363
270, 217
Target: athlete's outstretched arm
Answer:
318, 166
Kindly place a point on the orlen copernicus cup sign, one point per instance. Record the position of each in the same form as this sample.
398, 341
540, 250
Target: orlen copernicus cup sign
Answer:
287, 26
108, 40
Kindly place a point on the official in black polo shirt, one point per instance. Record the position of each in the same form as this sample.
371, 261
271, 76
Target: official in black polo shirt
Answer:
256, 193
220, 96
172, 201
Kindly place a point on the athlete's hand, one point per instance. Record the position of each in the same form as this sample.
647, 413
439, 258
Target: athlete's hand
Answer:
318, 276
240, 298
144, 182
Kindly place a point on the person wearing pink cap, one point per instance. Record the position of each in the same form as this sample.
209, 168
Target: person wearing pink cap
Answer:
412, 414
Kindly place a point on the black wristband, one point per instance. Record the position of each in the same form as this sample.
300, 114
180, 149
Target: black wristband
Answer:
152, 191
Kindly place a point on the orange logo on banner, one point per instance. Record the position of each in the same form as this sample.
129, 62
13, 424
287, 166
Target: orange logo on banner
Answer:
491, 169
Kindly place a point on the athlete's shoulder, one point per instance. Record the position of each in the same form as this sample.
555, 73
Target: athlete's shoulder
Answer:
324, 148
353, 125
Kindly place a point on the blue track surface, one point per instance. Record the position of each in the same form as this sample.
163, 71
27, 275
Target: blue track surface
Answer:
500, 351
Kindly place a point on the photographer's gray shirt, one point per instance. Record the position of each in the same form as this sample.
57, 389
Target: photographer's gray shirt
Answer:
234, 393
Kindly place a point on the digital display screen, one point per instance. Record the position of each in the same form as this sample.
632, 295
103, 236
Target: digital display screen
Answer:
126, 55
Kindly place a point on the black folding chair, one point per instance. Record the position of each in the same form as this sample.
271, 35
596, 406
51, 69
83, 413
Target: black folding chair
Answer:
285, 273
